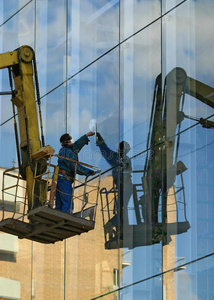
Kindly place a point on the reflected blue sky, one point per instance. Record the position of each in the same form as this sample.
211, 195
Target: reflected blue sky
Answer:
8, 8
119, 86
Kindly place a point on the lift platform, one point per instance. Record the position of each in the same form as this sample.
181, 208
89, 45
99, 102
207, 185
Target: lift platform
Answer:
42, 222
47, 225
28, 193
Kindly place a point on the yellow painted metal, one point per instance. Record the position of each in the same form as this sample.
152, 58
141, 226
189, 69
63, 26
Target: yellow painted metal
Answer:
54, 185
28, 120
22, 68
8, 59
27, 112
45, 151
24, 100
30, 186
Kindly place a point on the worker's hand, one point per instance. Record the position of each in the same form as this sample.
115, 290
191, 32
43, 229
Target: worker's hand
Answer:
99, 140
91, 173
90, 133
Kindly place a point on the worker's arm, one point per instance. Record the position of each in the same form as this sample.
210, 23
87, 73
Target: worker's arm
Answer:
110, 156
82, 170
84, 140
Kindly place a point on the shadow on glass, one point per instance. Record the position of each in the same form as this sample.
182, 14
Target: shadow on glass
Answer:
159, 215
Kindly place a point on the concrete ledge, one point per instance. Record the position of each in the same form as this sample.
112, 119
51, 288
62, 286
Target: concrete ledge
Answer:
8, 243
9, 288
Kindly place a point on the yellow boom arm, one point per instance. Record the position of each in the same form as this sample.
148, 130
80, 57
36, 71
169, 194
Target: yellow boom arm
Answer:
21, 65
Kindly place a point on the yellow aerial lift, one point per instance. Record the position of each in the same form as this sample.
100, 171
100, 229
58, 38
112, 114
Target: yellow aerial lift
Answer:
157, 189
38, 220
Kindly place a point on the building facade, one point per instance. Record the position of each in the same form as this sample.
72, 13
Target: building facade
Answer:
138, 71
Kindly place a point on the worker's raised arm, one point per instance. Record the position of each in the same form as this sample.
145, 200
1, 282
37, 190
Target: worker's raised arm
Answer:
84, 140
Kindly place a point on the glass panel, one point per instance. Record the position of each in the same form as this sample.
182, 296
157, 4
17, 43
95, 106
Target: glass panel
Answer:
195, 281
15, 267
170, 4
16, 32
142, 241
149, 289
94, 100
53, 108
185, 45
155, 212
134, 15
194, 191
19, 30
5, 103
51, 43
48, 264
93, 29
187, 137
140, 65
92, 269
8, 157
8, 8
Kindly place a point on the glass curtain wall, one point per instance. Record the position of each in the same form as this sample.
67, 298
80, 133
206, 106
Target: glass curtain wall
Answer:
140, 73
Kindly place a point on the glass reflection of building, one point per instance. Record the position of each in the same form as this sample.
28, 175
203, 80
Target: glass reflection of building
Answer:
114, 62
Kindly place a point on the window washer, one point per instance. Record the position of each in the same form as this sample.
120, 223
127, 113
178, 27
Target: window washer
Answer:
70, 150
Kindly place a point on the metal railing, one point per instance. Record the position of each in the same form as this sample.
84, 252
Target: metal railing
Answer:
85, 191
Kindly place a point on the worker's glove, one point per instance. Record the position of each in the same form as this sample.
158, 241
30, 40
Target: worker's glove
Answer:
91, 173
180, 117
99, 140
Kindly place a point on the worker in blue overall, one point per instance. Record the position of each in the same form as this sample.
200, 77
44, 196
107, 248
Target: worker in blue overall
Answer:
70, 150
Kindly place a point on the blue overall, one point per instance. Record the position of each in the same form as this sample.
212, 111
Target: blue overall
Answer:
63, 195
64, 182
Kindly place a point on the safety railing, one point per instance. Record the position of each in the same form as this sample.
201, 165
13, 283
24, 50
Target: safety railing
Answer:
13, 194
15, 202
